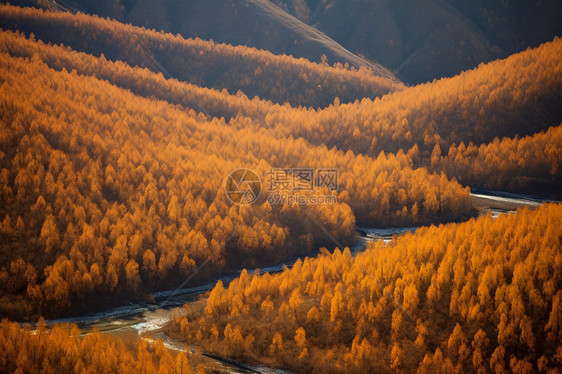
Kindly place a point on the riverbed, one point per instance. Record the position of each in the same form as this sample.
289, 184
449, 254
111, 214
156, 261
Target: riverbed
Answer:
145, 320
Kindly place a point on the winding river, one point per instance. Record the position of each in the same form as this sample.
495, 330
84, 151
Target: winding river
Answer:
145, 320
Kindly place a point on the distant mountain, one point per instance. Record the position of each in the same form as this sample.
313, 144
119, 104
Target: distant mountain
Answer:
255, 72
425, 39
419, 40
255, 23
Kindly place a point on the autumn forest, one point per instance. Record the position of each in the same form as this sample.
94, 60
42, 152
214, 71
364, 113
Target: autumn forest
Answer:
117, 145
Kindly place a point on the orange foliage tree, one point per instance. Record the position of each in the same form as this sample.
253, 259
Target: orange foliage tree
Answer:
122, 194
483, 295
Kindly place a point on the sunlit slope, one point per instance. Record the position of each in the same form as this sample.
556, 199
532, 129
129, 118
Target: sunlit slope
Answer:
516, 96
108, 193
512, 98
521, 165
530, 164
205, 63
202, 101
140, 81
483, 295
64, 349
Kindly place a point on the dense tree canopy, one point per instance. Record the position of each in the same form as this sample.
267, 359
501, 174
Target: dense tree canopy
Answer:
507, 168
479, 296
511, 163
63, 349
516, 96
122, 193
115, 147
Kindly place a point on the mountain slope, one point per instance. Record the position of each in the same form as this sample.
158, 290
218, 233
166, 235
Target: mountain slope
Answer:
479, 296
420, 40
205, 63
520, 100
255, 23
530, 164
106, 195
523, 165
519, 95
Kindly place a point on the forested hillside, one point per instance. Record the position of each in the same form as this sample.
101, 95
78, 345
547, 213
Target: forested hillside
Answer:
63, 349
418, 40
510, 98
531, 163
479, 296
124, 152
516, 96
514, 163
122, 193
141, 81
86, 197
253, 23
278, 78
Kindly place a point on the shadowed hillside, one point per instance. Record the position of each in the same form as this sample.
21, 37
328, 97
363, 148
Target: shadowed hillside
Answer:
255, 23
422, 40
419, 40
205, 63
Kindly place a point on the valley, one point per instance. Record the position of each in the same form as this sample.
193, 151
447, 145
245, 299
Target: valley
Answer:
148, 320
280, 186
